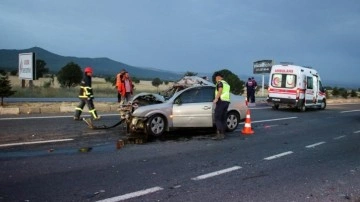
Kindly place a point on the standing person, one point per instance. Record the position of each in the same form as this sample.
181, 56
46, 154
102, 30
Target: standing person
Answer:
249, 89
222, 101
126, 88
86, 96
118, 81
255, 86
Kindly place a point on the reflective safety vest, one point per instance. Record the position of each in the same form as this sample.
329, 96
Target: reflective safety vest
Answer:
225, 95
86, 92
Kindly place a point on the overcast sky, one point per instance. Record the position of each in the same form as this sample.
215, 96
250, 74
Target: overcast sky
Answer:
192, 35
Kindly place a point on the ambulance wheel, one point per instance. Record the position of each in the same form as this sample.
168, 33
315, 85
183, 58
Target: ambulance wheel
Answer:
275, 106
323, 105
302, 108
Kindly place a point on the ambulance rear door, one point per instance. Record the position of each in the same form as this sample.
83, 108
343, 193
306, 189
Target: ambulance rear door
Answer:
312, 90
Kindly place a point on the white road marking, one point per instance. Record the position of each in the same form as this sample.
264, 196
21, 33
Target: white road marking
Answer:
48, 117
268, 120
132, 195
35, 142
201, 177
356, 110
278, 155
339, 137
316, 144
357, 131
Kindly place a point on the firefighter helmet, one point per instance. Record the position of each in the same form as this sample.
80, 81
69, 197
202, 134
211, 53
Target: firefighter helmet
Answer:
88, 70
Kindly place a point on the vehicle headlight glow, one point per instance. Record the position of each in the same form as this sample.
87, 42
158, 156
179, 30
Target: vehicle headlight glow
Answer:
134, 121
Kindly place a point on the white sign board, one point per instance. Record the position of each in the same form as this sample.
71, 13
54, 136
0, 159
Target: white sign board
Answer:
27, 66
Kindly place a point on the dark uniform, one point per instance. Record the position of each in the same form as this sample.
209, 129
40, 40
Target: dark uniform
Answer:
254, 86
250, 92
86, 96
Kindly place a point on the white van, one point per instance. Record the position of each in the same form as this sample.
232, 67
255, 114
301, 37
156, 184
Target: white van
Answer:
295, 86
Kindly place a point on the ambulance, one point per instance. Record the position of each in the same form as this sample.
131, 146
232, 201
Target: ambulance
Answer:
295, 87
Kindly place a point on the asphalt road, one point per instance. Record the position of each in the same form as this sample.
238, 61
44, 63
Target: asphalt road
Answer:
292, 156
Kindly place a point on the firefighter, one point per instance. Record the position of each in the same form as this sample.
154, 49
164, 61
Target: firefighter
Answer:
86, 96
222, 101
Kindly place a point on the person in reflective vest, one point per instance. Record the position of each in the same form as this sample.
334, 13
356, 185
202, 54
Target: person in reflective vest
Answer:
221, 101
118, 83
126, 89
86, 96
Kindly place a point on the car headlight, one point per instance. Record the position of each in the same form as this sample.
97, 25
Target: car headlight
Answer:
134, 121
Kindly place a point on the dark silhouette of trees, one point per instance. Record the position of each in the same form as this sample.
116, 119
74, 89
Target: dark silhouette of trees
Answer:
156, 82
5, 87
236, 85
70, 75
41, 68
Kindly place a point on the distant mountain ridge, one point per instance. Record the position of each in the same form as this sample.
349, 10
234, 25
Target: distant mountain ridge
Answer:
107, 67
102, 66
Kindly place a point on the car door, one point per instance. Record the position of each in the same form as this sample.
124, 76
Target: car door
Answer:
194, 108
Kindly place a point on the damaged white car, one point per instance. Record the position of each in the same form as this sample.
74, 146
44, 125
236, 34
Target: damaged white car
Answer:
188, 104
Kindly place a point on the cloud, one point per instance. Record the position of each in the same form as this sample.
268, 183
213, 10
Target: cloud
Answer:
190, 35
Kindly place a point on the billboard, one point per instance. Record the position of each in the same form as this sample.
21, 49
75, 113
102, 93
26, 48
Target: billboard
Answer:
262, 66
27, 66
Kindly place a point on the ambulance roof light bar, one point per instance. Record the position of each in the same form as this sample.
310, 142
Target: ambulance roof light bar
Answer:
286, 63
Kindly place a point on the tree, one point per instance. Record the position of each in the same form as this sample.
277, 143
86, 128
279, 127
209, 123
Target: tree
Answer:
5, 87
14, 72
236, 85
135, 80
344, 94
40, 68
70, 75
156, 82
335, 91
111, 79
353, 93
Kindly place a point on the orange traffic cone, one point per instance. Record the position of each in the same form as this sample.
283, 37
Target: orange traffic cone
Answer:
247, 130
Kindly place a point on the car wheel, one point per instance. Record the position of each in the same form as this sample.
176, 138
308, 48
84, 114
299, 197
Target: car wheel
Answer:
232, 121
275, 106
156, 125
323, 105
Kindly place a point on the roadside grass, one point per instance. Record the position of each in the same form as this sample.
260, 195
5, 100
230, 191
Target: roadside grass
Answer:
100, 87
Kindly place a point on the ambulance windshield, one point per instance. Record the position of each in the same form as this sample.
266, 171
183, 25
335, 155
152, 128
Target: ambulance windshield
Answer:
283, 80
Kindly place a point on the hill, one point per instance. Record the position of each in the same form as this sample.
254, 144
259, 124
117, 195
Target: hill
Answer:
103, 66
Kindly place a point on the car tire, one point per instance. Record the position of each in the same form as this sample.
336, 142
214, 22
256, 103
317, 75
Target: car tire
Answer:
156, 125
232, 121
275, 106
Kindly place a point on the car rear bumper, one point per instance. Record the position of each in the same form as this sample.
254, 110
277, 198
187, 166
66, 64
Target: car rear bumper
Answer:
284, 102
